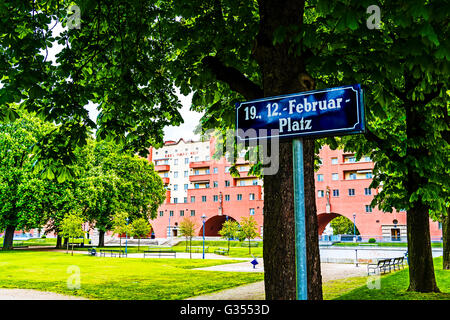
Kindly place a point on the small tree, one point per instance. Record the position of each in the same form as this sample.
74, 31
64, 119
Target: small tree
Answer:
229, 230
248, 230
72, 227
120, 225
187, 229
140, 228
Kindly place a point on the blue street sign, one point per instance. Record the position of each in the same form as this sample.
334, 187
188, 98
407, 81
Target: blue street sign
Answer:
327, 112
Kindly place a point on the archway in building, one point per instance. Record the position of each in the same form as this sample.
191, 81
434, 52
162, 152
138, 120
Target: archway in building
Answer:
213, 225
324, 219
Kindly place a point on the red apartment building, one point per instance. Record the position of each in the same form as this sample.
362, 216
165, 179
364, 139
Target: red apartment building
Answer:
199, 186
342, 189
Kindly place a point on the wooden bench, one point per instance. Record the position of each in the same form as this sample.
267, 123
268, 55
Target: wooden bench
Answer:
251, 244
113, 253
160, 253
221, 251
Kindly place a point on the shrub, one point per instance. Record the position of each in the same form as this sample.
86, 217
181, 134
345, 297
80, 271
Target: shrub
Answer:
372, 240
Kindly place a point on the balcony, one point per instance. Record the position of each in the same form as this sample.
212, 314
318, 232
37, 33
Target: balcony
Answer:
162, 167
200, 178
166, 180
199, 164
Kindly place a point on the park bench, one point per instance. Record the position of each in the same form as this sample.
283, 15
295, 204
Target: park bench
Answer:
382, 265
92, 252
251, 244
76, 245
221, 251
386, 264
198, 249
160, 253
112, 253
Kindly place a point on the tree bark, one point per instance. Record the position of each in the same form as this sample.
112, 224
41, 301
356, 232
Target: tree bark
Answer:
445, 240
8, 238
421, 269
284, 72
58, 242
101, 238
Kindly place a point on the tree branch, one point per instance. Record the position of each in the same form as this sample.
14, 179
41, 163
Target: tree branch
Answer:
383, 145
237, 81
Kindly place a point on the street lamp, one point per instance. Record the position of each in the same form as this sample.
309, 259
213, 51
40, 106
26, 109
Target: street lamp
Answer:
354, 227
203, 220
126, 237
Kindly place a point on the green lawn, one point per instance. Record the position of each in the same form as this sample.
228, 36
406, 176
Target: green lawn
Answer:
382, 244
393, 286
117, 278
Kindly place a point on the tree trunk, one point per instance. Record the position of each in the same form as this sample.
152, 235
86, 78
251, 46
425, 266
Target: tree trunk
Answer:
283, 72
9, 238
421, 269
58, 242
101, 238
445, 240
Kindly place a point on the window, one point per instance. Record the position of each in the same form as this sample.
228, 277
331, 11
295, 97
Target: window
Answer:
206, 185
192, 213
186, 186
161, 213
175, 200
215, 184
207, 158
336, 193
320, 193
175, 161
227, 169
186, 174
192, 199
227, 197
185, 199
252, 211
181, 213
227, 183
352, 176
320, 177
171, 213
334, 160
186, 160
239, 197
368, 208
175, 187
196, 172
335, 176
203, 198
351, 192
207, 171
215, 198
367, 191
197, 158
242, 183
166, 174
320, 161
367, 159
216, 170
196, 186
251, 196
255, 182
175, 174
369, 175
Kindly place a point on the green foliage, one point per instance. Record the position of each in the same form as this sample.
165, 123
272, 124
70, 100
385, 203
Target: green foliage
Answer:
247, 230
342, 225
372, 240
140, 228
188, 229
230, 230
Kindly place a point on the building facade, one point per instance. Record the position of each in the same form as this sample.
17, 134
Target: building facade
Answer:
342, 189
197, 185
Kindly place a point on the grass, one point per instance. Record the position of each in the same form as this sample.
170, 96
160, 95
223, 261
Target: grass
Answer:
392, 286
117, 278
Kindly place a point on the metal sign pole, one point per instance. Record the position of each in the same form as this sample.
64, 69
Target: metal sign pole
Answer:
299, 211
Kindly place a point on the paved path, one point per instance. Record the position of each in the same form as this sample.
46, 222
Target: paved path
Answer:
255, 291
27, 294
